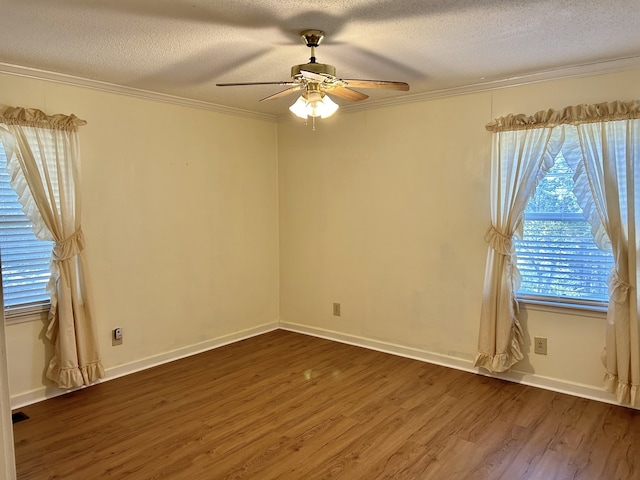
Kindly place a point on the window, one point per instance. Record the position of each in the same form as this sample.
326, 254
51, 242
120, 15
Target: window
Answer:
557, 256
25, 259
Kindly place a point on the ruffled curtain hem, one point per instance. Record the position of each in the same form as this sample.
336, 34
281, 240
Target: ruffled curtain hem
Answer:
573, 115
32, 117
501, 362
75, 376
626, 393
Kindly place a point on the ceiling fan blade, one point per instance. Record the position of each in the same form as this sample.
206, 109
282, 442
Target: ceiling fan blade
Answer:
290, 83
283, 93
377, 84
347, 93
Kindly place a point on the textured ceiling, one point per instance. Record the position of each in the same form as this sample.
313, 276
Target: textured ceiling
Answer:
184, 48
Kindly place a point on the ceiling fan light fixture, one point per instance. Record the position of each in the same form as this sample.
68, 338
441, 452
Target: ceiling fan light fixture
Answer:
314, 104
324, 107
299, 108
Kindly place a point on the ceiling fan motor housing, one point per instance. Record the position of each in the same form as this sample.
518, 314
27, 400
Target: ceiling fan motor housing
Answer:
320, 68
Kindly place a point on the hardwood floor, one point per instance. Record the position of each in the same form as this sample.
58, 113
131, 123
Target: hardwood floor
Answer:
289, 406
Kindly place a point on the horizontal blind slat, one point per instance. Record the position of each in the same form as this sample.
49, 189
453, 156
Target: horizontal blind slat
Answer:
25, 259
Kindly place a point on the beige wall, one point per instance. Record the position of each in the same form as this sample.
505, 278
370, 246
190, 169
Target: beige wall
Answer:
385, 211
180, 219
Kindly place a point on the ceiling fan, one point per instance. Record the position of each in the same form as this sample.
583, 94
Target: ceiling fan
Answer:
315, 80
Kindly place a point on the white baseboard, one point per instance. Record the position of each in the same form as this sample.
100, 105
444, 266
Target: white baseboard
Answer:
34, 396
556, 385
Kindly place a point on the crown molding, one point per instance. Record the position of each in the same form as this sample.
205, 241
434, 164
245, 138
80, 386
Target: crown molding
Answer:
583, 70
72, 80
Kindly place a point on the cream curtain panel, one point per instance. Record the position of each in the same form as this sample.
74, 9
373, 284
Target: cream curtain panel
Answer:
520, 158
602, 146
606, 156
44, 163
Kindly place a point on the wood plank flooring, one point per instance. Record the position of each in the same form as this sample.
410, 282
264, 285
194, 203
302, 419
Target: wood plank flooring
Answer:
289, 406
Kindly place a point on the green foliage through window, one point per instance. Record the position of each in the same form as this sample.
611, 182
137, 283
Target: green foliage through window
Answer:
557, 256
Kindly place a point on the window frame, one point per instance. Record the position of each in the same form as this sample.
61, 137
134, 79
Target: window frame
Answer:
574, 303
563, 308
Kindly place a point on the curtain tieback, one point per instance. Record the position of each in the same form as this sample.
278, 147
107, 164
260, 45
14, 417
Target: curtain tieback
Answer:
618, 288
499, 241
69, 247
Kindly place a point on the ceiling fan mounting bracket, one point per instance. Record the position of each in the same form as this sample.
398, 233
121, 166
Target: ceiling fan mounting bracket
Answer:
312, 38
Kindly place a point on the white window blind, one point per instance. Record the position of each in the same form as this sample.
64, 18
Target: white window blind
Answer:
557, 256
25, 259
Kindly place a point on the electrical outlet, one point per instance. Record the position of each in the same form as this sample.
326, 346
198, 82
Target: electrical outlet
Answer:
116, 337
540, 345
336, 309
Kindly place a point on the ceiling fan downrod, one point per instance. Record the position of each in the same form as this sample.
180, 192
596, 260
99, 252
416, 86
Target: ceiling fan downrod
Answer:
312, 39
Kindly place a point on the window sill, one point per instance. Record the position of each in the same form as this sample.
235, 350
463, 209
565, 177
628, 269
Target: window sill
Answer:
585, 310
32, 313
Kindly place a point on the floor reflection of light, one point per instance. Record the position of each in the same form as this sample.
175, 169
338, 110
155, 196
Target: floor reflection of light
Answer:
308, 374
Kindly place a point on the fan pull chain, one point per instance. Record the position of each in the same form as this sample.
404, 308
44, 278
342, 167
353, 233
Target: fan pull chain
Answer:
313, 123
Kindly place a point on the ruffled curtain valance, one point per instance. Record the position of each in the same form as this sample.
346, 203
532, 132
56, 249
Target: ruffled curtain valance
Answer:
573, 115
32, 117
